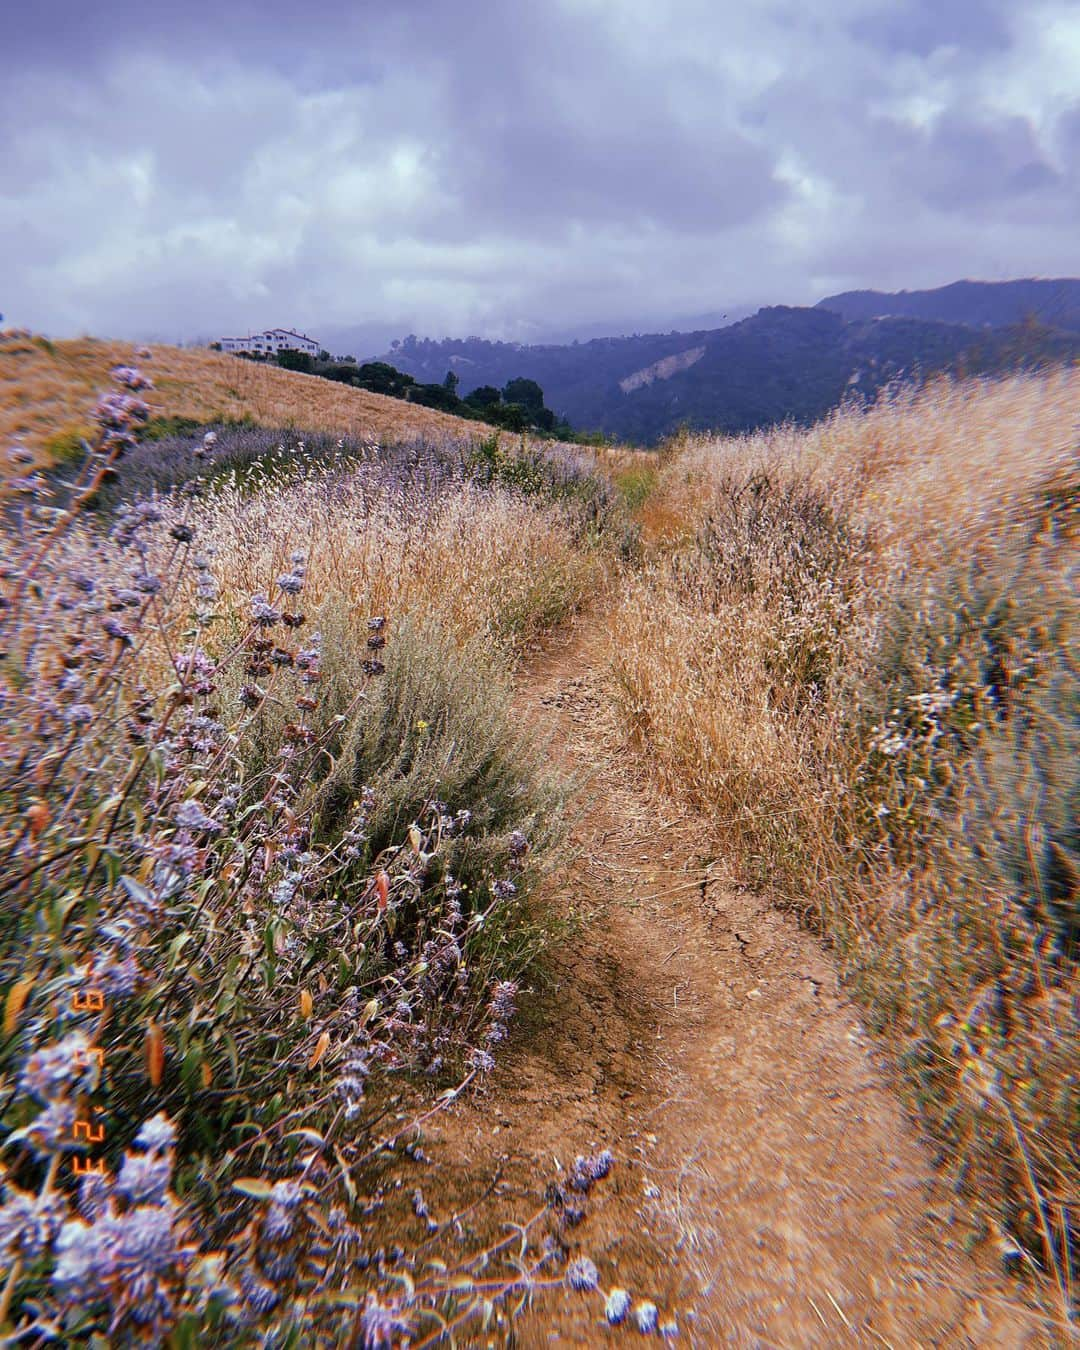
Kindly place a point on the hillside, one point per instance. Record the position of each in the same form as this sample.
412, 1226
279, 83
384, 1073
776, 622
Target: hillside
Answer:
784, 363
359, 784
48, 389
994, 304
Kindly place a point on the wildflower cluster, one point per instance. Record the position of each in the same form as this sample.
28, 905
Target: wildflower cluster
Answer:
175, 743
581, 1274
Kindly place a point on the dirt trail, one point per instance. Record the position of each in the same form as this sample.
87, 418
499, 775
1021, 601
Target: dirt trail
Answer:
769, 1190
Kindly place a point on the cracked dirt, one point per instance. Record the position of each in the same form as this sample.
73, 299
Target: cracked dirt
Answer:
769, 1190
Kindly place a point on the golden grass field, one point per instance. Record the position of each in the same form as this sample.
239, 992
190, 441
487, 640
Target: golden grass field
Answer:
851, 648
47, 390
854, 647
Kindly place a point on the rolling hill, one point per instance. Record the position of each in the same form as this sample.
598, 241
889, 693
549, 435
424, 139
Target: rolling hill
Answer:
992, 304
47, 390
783, 363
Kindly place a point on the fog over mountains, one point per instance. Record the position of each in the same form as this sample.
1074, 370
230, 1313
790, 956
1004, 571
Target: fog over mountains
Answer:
778, 363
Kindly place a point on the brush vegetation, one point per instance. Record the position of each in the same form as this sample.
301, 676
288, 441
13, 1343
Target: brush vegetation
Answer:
855, 648
47, 391
270, 836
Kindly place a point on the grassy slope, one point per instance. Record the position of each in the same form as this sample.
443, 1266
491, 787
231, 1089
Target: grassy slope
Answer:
854, 647
48, 389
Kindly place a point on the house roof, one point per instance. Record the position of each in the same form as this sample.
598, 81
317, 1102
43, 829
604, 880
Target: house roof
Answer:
271, 332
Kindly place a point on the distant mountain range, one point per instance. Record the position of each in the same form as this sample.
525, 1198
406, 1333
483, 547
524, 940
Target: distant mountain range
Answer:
992, 304
782, 363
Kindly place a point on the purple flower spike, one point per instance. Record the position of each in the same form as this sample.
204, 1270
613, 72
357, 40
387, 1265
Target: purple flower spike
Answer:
647, 1317
617, 1306
189, 815
382, 1326
157, 1133
582, 1275
144, 1177
131, 378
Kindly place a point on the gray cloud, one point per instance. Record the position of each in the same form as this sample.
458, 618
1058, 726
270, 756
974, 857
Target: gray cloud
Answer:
505, 169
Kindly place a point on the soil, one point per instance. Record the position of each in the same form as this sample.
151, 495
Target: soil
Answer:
768, 1190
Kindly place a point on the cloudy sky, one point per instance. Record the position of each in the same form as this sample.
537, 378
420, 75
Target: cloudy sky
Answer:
513, 168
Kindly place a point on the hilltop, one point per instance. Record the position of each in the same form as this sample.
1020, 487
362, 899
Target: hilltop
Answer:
783, 363
47, 391
993, 304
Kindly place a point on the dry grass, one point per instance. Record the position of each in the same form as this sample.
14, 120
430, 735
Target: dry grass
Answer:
322, 659
855, 647
484, 565
47, 391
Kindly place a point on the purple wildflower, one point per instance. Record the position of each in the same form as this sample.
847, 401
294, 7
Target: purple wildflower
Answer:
279, 1265
586, 1171
382, 1324
131, 378
119, 411
290, 584
264, 614
156, 1133
144, 1177
481, 1061
503, 889
519, 845
116, 630
120, 978
582, 1275
85, 1260
95, 1188
28, 1223
259, 1296
646, 1316
54, 1069
503, 1000
287, 1194
278, 1223
144, 1239
617, 1306
189, 815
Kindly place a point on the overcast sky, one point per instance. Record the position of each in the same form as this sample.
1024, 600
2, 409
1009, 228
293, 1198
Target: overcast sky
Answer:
513, 167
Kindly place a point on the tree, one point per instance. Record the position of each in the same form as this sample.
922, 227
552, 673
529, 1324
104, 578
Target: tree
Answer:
526, 392
451, 382
512, 416
290, 359
382, 378
485, 396
324, 355
434, 396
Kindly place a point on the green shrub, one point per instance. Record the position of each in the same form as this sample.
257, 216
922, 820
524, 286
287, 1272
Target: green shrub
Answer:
438, 725
66, 448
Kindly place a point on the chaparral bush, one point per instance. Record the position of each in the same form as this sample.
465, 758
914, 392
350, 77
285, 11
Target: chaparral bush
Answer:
268, 835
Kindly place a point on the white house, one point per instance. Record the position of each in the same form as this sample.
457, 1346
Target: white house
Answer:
272, 341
